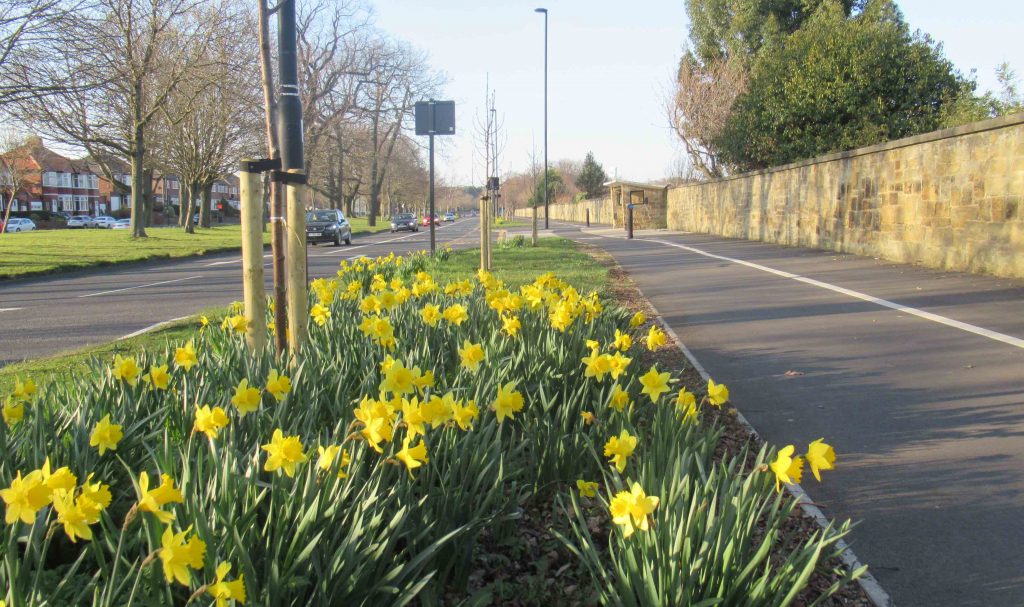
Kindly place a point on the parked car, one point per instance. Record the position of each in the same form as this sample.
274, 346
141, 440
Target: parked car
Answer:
449, 216
79, 221
214, 215
328, 225
404, 221
15, 224
426, 220
103, 221
121, 224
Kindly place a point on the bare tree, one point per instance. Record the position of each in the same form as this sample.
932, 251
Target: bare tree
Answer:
32, 34
15, 165
206, 143
700, 104
129, 58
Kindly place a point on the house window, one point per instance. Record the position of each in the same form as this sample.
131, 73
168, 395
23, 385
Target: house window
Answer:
65, 180
37, 205
77, 181
50, 179
67, 203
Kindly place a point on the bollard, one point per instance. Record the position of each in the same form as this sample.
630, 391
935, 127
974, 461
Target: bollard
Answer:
629, 221
253, 293
588, 218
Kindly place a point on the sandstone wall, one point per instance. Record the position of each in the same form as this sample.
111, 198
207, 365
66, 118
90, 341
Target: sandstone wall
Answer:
951, 199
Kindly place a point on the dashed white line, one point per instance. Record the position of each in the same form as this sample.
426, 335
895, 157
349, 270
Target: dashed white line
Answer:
152, 284
10, 309
936, 318
151, 327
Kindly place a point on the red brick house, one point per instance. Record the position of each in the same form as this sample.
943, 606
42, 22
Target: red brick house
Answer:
56, 183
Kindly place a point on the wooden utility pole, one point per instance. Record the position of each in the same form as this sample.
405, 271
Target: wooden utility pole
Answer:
485, 233
253, 295
298, 303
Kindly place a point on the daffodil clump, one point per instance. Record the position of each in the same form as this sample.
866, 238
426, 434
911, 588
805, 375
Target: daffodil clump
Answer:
421, 413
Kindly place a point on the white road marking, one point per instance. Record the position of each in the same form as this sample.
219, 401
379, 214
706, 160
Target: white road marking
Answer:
936, 318
152, 284
221, 263
370, 244
10, 309
151, 327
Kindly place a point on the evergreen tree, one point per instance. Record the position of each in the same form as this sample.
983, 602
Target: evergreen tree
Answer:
555, 187
592, 177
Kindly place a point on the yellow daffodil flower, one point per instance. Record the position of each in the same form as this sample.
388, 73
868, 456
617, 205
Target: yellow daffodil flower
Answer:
787, 469
820, 456
153, 500
158, 377
586, 488
619, 448
630, 509
597, 365
508, 402
456, 314
25, 497
424, 380
413, 457
623, 341
638, 319
378, 422
178, 556
471, 356
94, 499
464, 415
588, 417
654, 384
285, 453
278, 385
210, 421
23, 391
13, 412
320, 314
619, 398
245, 399
105, 435
686, 402
618, 364
655, 338
718, 394
329, 454
430, 314
185, 356
398, 379
224, 591
511, 325
126, 370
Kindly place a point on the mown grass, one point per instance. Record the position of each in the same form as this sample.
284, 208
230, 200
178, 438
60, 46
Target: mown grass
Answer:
48, 251
521, 265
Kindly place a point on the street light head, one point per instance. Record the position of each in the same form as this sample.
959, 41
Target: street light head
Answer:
540, 10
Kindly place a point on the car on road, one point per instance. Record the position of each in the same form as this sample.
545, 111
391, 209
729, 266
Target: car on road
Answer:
449, 216
16, 224
328, 225
426, 220
103, 221
79, 221
404, 221
121, 224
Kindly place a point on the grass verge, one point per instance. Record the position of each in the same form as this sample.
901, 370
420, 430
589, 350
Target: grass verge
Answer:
49, 251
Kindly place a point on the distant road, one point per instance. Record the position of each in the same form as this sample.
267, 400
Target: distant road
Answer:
46, 315
916, 376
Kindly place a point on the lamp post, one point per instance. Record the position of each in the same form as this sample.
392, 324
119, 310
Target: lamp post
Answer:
545, 177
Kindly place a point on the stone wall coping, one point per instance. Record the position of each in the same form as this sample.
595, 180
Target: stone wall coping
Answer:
981, 126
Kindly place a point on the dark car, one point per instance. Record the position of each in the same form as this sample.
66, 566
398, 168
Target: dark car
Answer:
404, 221
328, 225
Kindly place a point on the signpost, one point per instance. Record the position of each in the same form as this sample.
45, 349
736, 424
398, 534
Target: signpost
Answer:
434, 118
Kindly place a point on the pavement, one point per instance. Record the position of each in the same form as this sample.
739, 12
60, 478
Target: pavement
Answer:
916, 376
48, 315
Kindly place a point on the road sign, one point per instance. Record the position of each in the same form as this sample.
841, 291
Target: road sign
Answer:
435, 117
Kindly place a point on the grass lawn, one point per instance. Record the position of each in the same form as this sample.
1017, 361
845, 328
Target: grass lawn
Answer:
47, 251
520, 265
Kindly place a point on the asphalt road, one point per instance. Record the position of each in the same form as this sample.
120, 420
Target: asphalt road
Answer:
921, 394
47, 315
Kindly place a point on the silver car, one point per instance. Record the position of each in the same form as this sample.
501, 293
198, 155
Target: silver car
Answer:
79, 221
103, 221
16, 224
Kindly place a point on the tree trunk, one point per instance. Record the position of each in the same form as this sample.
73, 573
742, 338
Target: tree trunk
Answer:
193, 192
138, 223
7, 213
204, 210
147, 195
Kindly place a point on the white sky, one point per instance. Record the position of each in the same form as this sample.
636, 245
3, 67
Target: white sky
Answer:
609, 63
